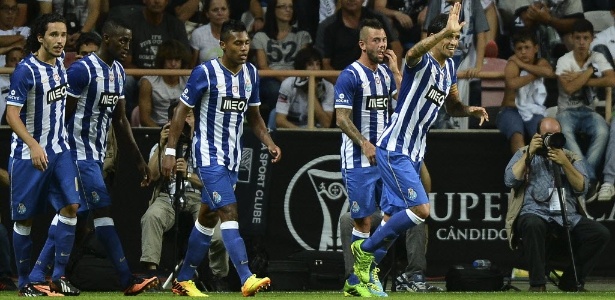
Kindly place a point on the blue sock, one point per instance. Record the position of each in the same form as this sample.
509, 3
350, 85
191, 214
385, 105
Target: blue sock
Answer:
397, 224
64, 239
45, 260
236, 249
22, 247
198, 246
107, 235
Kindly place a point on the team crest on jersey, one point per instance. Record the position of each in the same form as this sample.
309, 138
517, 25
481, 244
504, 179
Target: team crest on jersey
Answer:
435, 95
56, 77
412, 194
21, 209
377, 78
235, 89
108, 99
215, 197
355, 207
95, 197
230, 104
111, 77
56, 93
377, 102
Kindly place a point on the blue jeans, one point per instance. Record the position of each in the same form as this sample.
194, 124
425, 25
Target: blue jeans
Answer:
609, 162
585, 120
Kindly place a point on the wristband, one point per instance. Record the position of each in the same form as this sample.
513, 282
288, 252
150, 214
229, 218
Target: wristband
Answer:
169, 151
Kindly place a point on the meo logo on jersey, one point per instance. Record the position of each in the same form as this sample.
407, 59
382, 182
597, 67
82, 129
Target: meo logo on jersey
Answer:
377, 103
56, 93
230, 104
435, 95
108, 99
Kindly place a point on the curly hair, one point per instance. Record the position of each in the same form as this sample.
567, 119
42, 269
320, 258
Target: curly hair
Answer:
39, 28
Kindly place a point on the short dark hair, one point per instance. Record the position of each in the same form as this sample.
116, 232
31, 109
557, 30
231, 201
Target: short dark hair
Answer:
112, 26
304, 56
523, 35
371, 23
583, 25
437, 24
39, 27
172, 49
231, 25
88, 38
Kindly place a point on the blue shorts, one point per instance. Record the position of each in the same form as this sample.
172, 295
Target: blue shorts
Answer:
93, 189
402, 187
364, 187
509, 122
31, 188
218, 186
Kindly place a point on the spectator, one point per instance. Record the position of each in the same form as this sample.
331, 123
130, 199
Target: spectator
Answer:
205, 40
81, 16
13, 56
469, 54
28, 10
579, 72
551, 20
253, 8
6, 272
525, 94
534, 214
160, 215
87, 43
338, 35
604, 42
11, 36
276, 47
157, 92
150, 26
407, 17
292, 107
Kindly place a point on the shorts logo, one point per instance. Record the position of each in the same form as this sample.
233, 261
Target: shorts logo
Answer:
95, 197
412, 194
216, 197
435, 95
21, 209
317, 183
355, 207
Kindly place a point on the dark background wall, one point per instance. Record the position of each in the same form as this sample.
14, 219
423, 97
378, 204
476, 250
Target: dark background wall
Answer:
305, 197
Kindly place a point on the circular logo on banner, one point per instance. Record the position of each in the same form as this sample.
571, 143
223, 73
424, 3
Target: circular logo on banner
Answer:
314, 200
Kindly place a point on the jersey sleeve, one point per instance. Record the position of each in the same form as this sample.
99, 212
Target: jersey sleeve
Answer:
22, 81
393, 87
344, 89
255, 99
197, 85
78, 79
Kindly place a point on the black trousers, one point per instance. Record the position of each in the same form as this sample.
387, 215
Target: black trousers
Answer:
589, 238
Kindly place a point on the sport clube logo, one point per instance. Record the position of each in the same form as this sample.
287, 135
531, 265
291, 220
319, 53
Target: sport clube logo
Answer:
314, 201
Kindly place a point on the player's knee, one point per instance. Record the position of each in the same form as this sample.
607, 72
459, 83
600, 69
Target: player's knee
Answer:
70, 211
421, 211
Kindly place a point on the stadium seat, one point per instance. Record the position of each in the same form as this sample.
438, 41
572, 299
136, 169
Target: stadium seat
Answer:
492, 90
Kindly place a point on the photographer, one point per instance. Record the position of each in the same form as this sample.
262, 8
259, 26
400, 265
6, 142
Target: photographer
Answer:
534, 212
160, 216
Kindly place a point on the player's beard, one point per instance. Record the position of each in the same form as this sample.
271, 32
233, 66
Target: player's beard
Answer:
373, 56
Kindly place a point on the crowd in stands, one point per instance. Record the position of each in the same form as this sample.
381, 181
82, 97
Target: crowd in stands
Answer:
554, 60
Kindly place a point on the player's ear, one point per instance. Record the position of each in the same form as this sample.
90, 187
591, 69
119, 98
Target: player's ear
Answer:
222, 46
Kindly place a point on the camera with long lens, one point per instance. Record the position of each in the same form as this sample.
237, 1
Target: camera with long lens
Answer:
555, 140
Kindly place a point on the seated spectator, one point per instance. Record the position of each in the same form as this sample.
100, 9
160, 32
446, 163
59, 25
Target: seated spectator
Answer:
81, 16
87, 43
525, 94
11, 36
579, 72
13, 56
160, 215
157, 92
205, 40
407, 17
604, 41
292, 107
534, 215
276, 47
28, 10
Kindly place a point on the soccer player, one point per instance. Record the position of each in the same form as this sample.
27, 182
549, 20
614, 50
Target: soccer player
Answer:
221, 92
428, 83
363, 92
40, 165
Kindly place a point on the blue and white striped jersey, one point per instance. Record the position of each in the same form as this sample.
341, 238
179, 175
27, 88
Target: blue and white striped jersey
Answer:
368, 93
220, 99
98, 87
40, 90
424, 88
